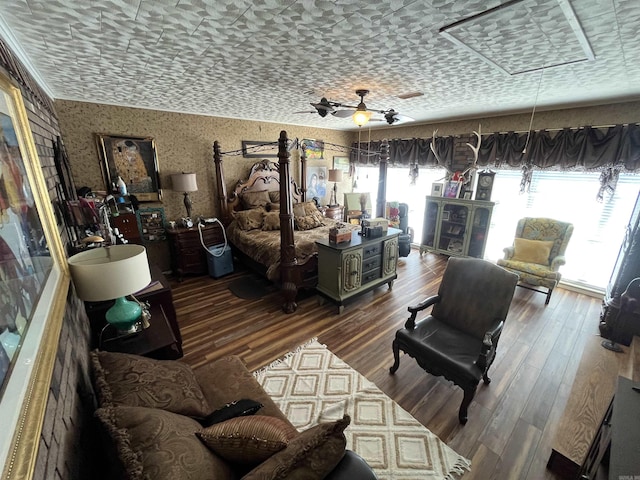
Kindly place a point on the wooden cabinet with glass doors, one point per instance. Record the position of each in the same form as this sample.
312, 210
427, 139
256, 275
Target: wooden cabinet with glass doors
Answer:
454, 226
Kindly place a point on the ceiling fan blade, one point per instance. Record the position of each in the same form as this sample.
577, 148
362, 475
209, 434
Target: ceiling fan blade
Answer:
342, 113
306, 111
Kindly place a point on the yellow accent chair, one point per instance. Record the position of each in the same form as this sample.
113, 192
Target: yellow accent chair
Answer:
537, 253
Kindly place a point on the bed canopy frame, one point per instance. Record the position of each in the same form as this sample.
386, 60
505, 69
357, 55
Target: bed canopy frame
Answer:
272, 176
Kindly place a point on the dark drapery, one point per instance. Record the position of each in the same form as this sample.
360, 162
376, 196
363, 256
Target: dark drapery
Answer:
405, 152
616, 147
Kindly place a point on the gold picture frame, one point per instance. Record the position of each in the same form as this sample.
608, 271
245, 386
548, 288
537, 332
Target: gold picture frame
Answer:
25, 393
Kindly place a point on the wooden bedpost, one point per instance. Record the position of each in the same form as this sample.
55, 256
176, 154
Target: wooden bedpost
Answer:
221, 188
303, 171
382, 179
287, 247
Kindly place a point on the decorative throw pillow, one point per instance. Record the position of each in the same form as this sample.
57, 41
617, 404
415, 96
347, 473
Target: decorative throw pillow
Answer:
239, 408
153, 443
253, 199
248, 440
310, 208
271, 221
310, 456
250, 219
135, 381
299, 210
274, 196
532, 251
308, 222
273, 207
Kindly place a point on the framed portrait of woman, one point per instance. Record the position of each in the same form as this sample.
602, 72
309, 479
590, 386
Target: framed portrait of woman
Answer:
317, 185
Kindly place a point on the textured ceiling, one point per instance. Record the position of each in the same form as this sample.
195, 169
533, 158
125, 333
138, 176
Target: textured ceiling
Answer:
264, 60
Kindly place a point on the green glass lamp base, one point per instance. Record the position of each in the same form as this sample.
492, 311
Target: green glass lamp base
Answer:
124, 315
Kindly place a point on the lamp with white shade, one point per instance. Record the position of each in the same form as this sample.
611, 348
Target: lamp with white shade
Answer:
108, 273
185, 182
335, 176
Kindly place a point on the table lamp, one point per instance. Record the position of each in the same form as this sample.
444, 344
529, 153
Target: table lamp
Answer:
335, 176
109, 273
185, 182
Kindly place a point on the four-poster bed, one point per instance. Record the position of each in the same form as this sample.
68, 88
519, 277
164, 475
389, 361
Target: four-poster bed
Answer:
250, 213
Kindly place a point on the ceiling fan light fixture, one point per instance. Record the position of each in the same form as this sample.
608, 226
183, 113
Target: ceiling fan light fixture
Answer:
361, 117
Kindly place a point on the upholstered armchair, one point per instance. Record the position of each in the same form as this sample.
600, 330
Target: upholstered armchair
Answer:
537, 253
459, 338
398, 216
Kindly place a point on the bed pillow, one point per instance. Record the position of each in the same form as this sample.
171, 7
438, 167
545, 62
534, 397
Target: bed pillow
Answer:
250, 219
311, 455
135, 381
153, 443
274, 196
273, 206
271, 221
308, 222
305, 208
253, 199
249, 440
532, 251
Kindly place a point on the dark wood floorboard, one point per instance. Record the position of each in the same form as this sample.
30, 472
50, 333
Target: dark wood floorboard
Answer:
511, 421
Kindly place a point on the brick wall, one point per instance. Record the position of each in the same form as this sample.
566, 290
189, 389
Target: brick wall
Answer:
62, 452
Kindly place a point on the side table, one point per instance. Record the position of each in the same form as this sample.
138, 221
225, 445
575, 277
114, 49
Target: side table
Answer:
155, 341
188, 256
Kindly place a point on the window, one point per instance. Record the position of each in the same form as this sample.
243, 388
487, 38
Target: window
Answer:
399, 189
599, 227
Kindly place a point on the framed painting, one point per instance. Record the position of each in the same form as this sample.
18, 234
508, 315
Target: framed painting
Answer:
313, 148
134, 160
452, 189
34, 281
341, 163
317, 185
257, 149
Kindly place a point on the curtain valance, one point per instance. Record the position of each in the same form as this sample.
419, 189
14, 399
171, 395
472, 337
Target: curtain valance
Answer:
590, 148
405, 152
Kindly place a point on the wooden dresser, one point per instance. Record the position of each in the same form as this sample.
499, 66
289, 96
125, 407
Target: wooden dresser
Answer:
584, 431
188, 256
350, 269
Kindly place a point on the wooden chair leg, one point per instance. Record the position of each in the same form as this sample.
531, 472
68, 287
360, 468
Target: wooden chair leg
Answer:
396, 357
469, 393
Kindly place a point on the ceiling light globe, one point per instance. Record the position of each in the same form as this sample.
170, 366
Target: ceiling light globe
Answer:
361, 118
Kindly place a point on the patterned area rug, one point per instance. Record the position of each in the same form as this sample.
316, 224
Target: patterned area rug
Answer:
312, 385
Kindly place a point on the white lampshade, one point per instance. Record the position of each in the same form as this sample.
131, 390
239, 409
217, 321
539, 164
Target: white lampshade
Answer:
184, 182
106, 273
335, 175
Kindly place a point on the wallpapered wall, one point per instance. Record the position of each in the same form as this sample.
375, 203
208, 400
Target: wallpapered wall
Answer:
184, 142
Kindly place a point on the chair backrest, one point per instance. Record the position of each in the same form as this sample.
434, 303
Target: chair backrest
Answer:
546, 229
398, 215
475, 295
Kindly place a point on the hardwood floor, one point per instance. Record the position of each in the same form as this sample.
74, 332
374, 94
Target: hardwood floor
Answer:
511, 422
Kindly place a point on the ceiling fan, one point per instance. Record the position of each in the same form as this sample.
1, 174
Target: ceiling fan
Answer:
362, 114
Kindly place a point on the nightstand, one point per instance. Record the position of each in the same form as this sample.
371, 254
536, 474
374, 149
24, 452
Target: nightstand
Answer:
156, 341
188, 256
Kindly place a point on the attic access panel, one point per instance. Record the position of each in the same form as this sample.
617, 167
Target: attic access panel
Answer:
522, 36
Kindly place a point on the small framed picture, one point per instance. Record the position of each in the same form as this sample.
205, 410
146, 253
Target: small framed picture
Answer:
445, 215
436, 189
452, 189
468, 194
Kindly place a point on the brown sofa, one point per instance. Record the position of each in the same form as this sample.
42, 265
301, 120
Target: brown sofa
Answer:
152, 413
